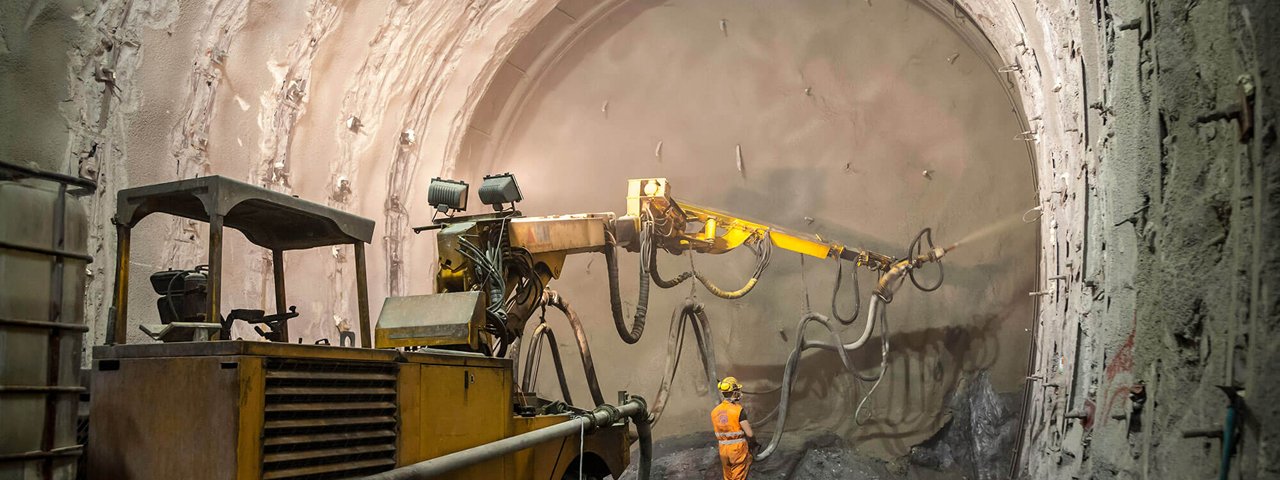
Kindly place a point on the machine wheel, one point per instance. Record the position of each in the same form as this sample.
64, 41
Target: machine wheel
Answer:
589, 472
573, 475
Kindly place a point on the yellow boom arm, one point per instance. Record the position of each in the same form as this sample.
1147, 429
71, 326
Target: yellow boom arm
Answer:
510, 280
679, 226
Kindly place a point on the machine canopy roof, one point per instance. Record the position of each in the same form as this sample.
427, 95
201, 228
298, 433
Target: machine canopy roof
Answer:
269, 219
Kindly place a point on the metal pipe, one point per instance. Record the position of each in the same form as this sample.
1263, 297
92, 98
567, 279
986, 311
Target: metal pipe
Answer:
84, 183
604, 415
54, 360
75, 327
362, 296
215, 275
1228, 441
277, 275
52, 252
118, 333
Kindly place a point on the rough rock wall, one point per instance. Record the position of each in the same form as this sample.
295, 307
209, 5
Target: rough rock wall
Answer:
1158, 277
1157, 257
347, 103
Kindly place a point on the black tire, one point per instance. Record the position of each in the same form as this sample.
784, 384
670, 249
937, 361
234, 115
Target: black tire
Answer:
571, 473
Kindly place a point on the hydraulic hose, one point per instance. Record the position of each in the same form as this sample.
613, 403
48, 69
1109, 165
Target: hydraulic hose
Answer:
727, 294
888, 283
788, 374
763, 262
657, 277
914, 251
649, 257
837, 347
644, 433
835, 292
530, 381
692, 311
553, 299
632, 335
872, 310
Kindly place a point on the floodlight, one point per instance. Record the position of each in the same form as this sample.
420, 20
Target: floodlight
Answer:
446, 195
499, 189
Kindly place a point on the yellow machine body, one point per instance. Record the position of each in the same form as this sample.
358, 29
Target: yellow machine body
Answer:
249, 410
278, 410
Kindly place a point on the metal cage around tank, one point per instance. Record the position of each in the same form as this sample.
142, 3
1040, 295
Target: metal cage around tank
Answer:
43, 263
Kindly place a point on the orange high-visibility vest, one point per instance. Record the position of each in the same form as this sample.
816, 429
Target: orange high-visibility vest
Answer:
735, 456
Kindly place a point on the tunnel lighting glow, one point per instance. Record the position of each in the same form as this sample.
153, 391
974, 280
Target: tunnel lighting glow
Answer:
446, 195
500, 189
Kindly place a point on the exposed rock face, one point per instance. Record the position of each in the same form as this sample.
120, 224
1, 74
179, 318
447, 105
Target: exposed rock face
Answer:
979, 439
1151, 125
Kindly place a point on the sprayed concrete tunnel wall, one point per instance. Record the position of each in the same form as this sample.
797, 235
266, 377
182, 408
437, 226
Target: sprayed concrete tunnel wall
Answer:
1151, 125
838, 111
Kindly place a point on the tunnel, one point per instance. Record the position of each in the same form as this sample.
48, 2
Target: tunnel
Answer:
835, 143
1105, 170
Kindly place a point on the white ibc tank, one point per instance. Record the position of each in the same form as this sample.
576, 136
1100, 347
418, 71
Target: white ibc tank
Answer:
39, 347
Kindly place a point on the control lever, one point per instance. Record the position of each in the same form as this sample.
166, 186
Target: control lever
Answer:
258, 318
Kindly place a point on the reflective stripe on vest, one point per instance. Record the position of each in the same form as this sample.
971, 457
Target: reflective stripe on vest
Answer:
726, 422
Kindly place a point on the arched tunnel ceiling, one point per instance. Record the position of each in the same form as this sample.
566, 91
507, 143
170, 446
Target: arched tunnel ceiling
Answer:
839, 110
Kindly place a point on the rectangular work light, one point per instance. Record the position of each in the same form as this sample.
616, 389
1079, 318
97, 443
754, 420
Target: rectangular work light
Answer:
446, 195
500, 189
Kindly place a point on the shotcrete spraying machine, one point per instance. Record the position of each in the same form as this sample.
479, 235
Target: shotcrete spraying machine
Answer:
433, 391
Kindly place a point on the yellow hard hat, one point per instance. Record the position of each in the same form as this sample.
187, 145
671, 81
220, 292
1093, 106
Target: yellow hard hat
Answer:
729, 384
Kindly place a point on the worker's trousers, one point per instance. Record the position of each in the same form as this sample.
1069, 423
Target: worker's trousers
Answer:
736, 459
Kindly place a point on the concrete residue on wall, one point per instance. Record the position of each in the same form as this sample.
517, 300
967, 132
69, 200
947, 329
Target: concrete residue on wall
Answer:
1151, 250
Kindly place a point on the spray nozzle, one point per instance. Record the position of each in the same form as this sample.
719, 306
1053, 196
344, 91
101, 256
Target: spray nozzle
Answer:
931, 255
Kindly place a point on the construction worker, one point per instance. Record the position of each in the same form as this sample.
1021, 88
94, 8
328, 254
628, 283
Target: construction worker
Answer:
733, 432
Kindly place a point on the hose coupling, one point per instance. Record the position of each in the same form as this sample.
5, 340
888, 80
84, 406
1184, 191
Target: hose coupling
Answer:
611, 415
644, 406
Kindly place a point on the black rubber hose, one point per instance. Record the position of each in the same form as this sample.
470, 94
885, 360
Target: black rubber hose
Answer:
529, 382
632, 335
788, 375
588, 365
657, 277
793, 360
914, 250
703, 334
645, 434
692, 311
857, 295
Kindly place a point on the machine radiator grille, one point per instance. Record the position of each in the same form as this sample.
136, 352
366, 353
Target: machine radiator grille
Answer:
328, 420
